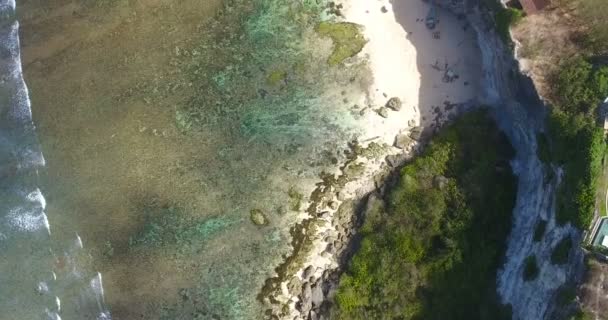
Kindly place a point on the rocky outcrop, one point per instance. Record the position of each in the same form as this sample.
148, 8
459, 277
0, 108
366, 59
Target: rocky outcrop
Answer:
520, 114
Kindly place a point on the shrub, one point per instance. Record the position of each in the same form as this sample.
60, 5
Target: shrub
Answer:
539, 230
561, 251
431, 252
505, 18
576, 193
530, 268
579, 87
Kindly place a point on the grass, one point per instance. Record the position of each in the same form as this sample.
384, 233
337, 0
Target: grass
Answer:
347, 38
432, 252
530, 269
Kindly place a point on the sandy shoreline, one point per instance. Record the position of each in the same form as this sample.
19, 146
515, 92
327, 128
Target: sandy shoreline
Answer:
408, 63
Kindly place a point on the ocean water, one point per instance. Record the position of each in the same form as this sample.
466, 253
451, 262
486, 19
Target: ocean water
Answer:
155, 158
39, 279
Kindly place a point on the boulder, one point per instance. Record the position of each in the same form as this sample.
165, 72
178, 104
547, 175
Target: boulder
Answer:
317, 294
394, 103
411, 123
383, 112
333, 205
306, 298
330, 249
395, 160
313, 315
402, 141
323, 215
416, 133
295, 286
307, 272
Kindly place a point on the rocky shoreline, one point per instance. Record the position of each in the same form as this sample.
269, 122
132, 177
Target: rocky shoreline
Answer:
306, 292
323, 243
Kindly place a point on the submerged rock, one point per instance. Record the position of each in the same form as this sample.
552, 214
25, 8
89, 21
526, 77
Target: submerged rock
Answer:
394, 103
258, 217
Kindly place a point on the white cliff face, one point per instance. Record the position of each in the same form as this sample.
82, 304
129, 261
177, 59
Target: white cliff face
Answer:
520, 114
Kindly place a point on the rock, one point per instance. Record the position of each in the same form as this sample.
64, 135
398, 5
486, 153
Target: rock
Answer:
394, 160
337, 245
333, 205
440, 182
317, 294
258, 217
313, 315
363, 111
305, 298
402, 141
342, 195
394, 103
411, 123
383, 9
416, 133
323, 215
383, 112
295, 286
330, 249
307, 272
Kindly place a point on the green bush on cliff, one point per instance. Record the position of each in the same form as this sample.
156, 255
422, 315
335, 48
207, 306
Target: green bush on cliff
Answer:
504, 19
561, 251
578, 148
433, 250
577, 141
581, 87
530, 268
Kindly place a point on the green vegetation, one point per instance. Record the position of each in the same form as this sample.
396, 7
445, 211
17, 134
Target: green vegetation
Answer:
530, 268
576, 193
579, 89
543, 151
504, 19
581, 315
592, 14
566, 295
561, 251
539, 230
347, 39
295, 199
432, 251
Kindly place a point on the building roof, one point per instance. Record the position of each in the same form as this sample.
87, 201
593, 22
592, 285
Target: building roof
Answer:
533, 6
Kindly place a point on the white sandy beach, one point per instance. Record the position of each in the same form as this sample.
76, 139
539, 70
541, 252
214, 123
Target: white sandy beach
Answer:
409, 63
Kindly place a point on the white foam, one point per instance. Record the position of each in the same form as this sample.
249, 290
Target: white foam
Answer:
22, 219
